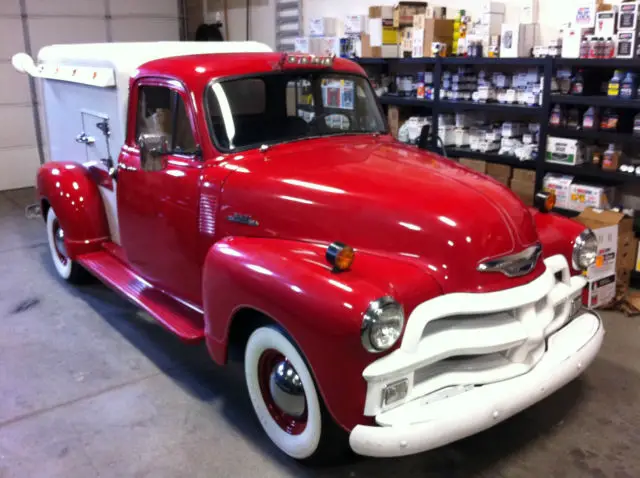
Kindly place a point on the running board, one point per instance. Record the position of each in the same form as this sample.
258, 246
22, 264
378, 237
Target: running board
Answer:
183, 321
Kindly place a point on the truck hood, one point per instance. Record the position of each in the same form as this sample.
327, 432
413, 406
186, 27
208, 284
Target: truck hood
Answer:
385, 198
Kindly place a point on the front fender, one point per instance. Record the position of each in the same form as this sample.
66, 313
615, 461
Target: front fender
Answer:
322, 311
69, 190
557, 234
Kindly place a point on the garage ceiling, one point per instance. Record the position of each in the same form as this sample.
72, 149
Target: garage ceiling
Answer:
28, 25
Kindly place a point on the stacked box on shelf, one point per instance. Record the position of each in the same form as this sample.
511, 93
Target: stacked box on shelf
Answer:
383, 37
523, 183
500, 172
475, 164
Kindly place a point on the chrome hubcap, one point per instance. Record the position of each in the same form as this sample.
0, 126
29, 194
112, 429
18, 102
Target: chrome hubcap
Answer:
58, 239
287, 390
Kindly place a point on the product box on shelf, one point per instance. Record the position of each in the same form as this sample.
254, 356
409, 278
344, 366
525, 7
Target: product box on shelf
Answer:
301, 45
564, 151
600, 292
323, 27
560, 185
355, 24
626, 45
430, 31
434, 11
380, 21
606, 24
628, 16
571, 40
492, 7
524, 175
517, 40
530, 11
583, 196
403, 13
525, 190
475, 164
500, 172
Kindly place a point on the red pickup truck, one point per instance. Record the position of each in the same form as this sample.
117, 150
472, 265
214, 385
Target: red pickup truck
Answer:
384, 298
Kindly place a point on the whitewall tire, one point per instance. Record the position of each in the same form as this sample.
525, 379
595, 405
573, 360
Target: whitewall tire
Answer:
66, 268
296, 426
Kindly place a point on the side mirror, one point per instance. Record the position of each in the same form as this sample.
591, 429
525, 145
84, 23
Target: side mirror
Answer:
153, 147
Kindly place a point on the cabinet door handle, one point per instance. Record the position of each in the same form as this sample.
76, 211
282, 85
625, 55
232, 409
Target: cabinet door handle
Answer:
82, 138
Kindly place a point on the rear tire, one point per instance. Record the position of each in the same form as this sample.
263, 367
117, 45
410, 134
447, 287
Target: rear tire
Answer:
310, 435
69, 270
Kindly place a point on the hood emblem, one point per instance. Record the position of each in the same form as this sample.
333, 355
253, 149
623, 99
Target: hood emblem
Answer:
515, 265
242, 219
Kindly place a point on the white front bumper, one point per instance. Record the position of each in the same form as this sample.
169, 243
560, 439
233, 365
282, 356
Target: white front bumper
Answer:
421, 425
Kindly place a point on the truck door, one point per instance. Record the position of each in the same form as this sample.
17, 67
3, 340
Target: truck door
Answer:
158, 188
96, 135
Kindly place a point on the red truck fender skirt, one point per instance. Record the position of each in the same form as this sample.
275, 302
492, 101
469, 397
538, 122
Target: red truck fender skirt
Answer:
291, 283
69, 190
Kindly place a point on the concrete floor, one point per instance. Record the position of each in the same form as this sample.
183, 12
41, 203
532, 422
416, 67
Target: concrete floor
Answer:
90, 387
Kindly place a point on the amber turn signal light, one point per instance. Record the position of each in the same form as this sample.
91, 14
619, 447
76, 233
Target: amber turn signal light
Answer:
545, 201
340, 256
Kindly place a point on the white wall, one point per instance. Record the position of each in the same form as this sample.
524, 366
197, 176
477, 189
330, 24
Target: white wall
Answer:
553, 13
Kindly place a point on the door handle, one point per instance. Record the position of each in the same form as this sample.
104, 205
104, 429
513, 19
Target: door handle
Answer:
82, 138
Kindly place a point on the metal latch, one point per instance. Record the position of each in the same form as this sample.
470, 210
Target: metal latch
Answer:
104, 127
82, 138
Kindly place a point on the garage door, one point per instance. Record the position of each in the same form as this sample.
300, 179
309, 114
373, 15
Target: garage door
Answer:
28, 25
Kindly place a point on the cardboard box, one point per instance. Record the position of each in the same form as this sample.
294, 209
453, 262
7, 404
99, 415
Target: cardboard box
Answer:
379, 17
605, 226
385, 51
564, 151
561, 186
600, 292
323, 27
629, 16
406, 41
626, 45
530, 12
355, 24
502, 179
492, 7
390, 36
403, 13
583, 196
524, 175
525, 190
381, 11
517, 40
434, 11
606, 24
499, 170
475, 164
393, 118
433, 31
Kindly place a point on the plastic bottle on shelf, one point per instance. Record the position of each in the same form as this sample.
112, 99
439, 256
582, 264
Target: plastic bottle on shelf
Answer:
584, 47
636, 125
609, 121
613, 89
557, 117
593, 48
628, 86
602, 47
590, 120
577, 83
610, 49
611, 158
573, 119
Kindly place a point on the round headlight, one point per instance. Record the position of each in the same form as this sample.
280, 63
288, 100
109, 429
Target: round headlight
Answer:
585, 250
382, 324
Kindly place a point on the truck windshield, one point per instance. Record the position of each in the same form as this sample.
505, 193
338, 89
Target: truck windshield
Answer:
249, 112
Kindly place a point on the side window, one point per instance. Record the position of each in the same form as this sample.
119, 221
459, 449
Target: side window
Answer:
161, 111
300, 100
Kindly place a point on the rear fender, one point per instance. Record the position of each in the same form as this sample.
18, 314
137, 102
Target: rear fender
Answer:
322, 311
557, 234
70, 191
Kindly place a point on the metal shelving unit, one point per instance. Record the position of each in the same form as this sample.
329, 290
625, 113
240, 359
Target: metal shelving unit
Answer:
542, 112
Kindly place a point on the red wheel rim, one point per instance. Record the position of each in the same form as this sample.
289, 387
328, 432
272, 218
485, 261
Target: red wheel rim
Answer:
288, 423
